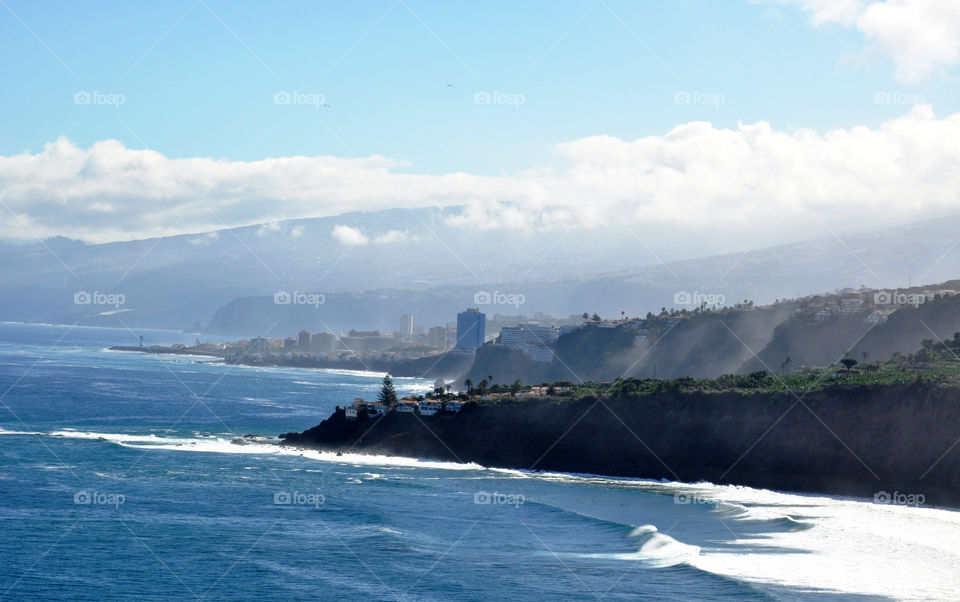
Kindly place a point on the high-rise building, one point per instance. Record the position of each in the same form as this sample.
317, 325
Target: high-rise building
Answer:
323, 342
437, 337
471, 328
303, 341
406, 326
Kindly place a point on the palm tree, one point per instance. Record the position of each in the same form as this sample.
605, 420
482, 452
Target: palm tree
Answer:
469, 384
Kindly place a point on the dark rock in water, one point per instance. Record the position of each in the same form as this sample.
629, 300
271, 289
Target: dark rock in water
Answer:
844, 440
239, 441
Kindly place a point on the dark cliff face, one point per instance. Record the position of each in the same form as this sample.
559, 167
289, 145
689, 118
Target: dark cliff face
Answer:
850, 441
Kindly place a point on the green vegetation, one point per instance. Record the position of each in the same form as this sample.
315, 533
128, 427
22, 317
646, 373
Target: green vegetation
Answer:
935, 362
388, 394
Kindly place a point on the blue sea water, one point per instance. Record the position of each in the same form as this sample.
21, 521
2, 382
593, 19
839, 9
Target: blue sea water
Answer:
119, 479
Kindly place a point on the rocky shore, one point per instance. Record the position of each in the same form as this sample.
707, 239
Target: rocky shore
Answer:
865, 441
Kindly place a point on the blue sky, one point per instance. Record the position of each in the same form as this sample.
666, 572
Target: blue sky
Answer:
129, 120
198, 79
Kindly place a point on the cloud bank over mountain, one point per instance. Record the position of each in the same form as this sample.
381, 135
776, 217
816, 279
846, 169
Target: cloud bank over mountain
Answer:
742, 181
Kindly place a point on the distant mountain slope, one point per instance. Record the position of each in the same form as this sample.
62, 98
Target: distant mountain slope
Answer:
419, 262
927, 252
177, 280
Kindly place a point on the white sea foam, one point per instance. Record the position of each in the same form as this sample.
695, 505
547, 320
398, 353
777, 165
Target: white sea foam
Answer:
660, 550
846, 545
4, 431
656, 550
850, 546
225, 445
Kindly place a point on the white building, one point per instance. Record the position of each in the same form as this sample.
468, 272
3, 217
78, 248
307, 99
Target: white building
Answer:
536, 341
406, 406
429, 408
453, 406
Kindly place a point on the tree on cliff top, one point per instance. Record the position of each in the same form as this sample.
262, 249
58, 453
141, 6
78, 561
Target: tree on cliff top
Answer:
388, 395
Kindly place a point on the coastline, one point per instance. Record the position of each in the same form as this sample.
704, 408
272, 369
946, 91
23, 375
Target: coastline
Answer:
446, 365
857, 442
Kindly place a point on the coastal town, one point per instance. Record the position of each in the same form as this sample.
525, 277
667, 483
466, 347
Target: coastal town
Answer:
535, 336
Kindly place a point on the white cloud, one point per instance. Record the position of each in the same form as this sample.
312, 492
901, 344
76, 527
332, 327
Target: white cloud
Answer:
696, 177
391, 236
205, 239
349, 236
919, 35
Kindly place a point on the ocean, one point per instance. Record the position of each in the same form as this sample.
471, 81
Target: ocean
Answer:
120, 479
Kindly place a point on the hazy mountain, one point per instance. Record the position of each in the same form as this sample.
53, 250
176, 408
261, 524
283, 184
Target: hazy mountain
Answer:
923, 252
429, 263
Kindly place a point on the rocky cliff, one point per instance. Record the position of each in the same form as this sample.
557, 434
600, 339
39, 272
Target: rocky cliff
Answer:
844, 440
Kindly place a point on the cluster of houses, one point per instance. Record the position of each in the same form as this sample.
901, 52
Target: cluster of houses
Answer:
427, 407
876, 304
